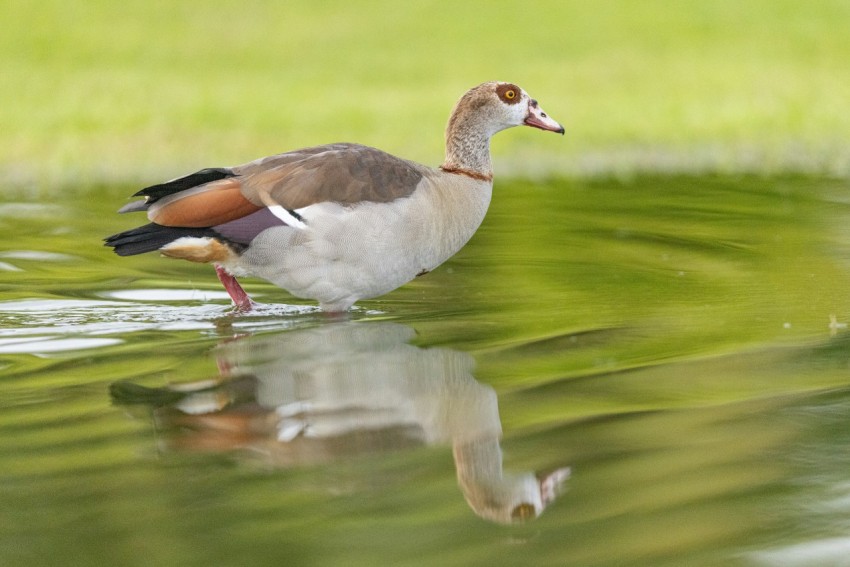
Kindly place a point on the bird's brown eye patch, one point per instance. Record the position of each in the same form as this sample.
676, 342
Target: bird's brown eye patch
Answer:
509, 94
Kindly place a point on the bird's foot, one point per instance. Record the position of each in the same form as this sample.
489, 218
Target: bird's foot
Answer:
240, 298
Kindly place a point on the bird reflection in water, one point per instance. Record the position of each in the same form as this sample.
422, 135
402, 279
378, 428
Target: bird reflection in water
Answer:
321, 394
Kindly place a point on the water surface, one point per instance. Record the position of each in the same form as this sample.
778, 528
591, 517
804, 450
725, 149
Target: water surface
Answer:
648, 371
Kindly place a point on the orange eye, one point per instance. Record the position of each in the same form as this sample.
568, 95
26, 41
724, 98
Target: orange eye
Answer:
509, 94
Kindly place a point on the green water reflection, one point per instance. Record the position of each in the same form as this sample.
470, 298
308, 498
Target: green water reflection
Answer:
321, 395
679, 343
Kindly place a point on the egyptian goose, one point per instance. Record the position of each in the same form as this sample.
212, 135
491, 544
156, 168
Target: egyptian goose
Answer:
335, 223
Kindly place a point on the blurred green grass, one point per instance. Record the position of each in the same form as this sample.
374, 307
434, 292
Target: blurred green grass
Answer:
100, 91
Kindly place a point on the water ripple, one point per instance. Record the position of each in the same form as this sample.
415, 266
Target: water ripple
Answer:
39, 326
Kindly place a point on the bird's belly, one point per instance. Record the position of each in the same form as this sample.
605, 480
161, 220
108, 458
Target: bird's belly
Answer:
352, 253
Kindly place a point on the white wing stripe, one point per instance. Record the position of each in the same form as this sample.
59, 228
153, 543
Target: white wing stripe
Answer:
287, 217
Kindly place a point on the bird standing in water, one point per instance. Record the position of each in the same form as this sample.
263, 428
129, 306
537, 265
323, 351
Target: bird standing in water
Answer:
335, 223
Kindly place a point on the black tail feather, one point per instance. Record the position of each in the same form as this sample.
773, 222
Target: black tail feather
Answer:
152, 237
156, 192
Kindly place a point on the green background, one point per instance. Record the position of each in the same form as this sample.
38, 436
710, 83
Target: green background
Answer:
135, 90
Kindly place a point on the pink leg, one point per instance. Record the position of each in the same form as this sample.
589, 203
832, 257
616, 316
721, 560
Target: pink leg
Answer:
234, 290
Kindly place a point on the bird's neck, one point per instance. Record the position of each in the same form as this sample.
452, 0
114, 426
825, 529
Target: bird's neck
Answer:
468, 148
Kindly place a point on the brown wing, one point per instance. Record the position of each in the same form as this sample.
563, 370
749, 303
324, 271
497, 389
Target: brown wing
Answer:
208, 205
205, 198
340, 173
